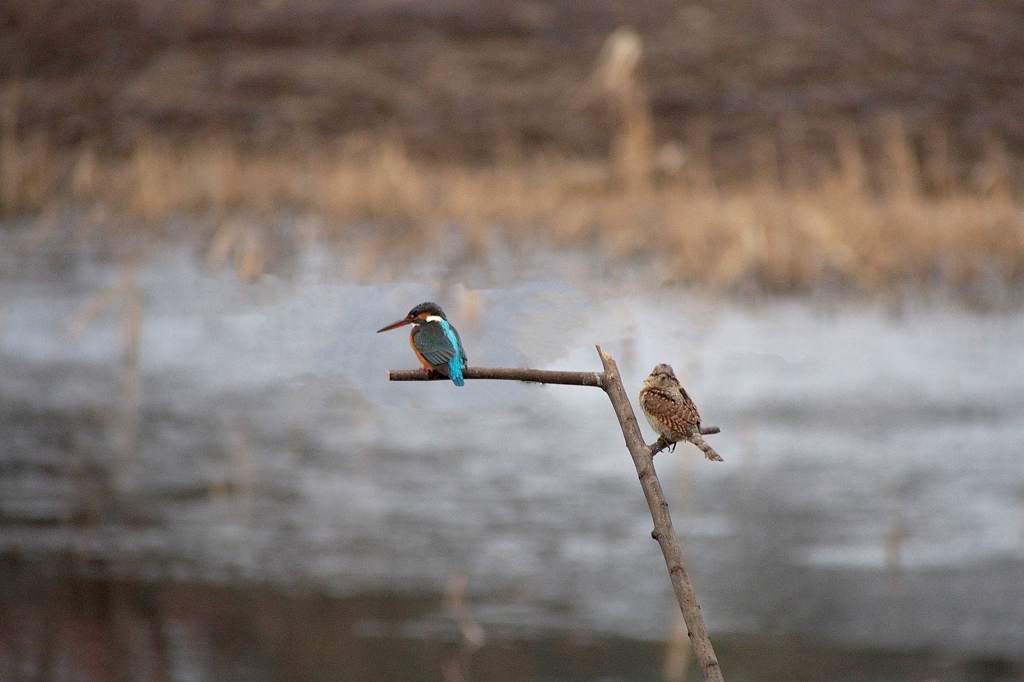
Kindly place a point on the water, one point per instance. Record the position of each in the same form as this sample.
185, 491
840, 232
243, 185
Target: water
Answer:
869, 514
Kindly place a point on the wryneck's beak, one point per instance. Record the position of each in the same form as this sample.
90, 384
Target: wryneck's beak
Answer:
395, 325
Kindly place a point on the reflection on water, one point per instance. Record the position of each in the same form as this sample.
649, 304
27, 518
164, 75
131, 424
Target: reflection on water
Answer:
71, 627
274, 494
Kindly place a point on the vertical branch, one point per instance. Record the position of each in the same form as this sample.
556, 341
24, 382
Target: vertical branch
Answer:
643, 458
663, 531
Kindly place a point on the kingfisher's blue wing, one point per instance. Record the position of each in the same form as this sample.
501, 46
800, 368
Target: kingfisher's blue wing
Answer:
433, 344
462, 348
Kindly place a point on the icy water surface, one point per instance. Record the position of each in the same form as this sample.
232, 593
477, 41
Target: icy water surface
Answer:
247, 449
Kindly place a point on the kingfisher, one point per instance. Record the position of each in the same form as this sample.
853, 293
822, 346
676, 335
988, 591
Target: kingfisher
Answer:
435, 341
671, 412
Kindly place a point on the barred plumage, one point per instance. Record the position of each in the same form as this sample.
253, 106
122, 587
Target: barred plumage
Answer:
670, 410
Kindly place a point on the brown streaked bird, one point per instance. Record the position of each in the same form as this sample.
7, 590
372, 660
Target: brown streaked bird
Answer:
671, 412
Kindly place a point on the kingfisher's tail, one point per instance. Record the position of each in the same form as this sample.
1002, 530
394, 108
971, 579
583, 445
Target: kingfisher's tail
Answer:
455, 372
455, 364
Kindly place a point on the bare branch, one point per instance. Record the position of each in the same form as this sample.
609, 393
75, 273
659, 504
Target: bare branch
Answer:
536, 376
663, 531
642, 454
709, 452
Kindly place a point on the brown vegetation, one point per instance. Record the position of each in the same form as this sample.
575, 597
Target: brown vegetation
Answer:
789, 229
864, 161
458, 79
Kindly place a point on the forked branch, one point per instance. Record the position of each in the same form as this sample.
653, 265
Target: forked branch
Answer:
643, 458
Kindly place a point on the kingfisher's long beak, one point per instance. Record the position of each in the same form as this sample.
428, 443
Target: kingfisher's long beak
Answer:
395, 325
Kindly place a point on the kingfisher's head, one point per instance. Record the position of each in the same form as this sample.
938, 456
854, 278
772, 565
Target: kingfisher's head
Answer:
421, 313
661, 376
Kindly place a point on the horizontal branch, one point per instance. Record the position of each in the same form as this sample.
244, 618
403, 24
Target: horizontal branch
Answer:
663, 444
536, 376
611, 382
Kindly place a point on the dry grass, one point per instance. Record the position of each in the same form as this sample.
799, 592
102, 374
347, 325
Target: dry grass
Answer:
785, 229
872, 204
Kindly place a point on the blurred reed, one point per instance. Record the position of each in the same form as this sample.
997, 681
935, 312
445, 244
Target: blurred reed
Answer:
632, 149
29, 166
125, 420
881, 209
455, 667
896, 539
678, 654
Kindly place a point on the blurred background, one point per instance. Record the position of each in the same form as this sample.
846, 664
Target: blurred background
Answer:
813, 210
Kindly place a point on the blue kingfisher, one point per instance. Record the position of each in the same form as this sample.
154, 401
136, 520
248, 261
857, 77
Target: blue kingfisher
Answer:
435, 341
